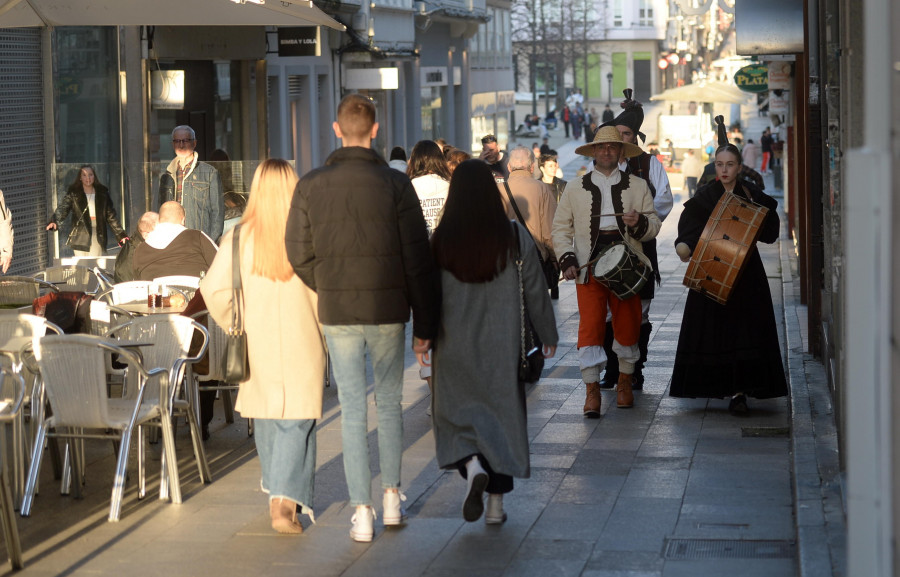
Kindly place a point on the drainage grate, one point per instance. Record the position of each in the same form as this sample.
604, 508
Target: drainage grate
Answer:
765, 431
728, 549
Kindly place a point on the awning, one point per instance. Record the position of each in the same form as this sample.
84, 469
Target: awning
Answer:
26, 13
704, 91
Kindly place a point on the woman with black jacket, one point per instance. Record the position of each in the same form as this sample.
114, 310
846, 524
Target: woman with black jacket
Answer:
91, 205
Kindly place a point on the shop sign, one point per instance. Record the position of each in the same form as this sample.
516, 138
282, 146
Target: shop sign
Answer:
752, 78
299, 41
434, 76
780, 75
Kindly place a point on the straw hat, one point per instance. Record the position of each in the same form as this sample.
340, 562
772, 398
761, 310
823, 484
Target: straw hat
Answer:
608, 134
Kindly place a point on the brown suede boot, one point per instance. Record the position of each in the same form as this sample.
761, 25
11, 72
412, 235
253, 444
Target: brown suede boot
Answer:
284, 516
624, 396
592, 401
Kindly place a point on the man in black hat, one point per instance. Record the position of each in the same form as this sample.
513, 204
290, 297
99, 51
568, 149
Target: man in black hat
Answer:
648, 167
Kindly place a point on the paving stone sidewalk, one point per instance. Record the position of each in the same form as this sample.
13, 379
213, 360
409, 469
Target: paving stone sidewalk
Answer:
671, 487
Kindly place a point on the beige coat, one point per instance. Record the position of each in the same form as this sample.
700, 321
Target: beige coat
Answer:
284, 340
537, 203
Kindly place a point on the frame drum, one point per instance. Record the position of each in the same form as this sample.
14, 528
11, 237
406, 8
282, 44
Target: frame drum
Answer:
718, 260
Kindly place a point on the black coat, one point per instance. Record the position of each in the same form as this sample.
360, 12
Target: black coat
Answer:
731, 348
356, 235
75, 201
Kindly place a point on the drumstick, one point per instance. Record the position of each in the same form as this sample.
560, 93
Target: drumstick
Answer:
623, 213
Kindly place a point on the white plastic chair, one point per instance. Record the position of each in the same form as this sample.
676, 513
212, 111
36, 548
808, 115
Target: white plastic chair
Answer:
179, 280
126, 292
171, 337
74, 381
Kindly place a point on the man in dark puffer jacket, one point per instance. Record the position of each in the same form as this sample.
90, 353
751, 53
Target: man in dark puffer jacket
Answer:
356, 235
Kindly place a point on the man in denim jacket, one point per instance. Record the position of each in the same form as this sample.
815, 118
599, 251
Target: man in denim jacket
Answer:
195, 185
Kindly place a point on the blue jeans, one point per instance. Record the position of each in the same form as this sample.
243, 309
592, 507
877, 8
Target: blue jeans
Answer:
287, 456
347, 347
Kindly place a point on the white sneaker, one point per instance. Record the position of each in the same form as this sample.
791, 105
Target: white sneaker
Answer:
393, 512
495, 515
477, 479
363, 521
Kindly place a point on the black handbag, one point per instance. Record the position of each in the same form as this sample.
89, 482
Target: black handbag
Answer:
236, 362
531, 355
550, 267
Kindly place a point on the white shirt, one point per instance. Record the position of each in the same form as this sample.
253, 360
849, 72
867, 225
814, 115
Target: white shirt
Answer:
165, 232
605, 184
663, 200
432, 192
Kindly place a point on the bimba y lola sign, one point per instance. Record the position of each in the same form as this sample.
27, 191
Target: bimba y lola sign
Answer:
752, 78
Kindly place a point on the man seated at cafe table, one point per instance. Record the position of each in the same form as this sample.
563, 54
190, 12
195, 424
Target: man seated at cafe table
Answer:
172, 248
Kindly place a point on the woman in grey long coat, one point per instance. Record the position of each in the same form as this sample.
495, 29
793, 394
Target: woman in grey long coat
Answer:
478, 403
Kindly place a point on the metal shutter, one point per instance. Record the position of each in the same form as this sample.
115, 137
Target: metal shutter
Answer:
22, 169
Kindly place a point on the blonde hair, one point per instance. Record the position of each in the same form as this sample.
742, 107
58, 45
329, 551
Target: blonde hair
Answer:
265, 218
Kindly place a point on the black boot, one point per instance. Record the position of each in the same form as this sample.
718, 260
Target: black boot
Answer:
643, 341
611, 376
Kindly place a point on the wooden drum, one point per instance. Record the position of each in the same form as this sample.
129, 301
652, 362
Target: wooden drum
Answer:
718, 260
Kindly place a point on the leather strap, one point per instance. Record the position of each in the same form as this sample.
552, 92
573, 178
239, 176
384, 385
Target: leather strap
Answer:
237, 292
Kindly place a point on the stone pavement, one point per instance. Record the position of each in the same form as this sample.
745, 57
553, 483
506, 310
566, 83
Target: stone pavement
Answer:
672, 487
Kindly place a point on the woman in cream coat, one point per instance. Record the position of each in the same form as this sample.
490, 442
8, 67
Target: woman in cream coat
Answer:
285, 346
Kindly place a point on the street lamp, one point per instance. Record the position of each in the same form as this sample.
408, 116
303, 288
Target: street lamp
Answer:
609, 77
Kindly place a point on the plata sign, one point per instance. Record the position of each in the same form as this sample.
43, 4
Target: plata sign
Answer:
299, 41
752, 78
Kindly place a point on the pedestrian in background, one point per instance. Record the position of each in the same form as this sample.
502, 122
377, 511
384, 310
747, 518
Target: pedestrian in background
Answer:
750, 153
455, 157
480, 424
691, 168
287, 357
429, 175
356, 215
6, 235
87, 199
398, 159
765, 144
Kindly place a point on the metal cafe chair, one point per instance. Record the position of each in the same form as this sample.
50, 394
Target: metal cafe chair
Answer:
20, 291
104, 278
17, 329
71, 278
74, 381
171, 335
9, 412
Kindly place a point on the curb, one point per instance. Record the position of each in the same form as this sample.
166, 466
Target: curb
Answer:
818, 506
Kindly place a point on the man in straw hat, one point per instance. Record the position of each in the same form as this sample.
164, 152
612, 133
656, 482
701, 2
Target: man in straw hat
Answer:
648, 167
604, 206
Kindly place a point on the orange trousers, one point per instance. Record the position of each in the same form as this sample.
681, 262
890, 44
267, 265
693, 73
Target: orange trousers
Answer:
594, 298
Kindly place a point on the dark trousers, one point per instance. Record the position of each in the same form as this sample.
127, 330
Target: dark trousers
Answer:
497, 482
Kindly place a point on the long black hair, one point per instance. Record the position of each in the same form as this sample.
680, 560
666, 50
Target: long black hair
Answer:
474, 240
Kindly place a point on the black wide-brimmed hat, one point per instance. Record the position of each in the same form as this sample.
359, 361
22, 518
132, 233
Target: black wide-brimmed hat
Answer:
632, 115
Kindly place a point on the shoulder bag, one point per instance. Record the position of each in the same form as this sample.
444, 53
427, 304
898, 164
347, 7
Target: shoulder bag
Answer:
236, 363
531, 357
